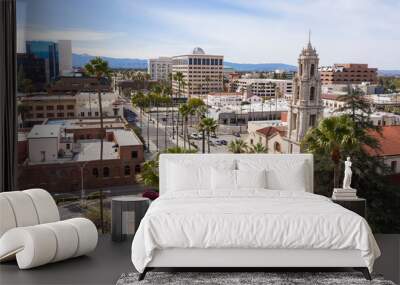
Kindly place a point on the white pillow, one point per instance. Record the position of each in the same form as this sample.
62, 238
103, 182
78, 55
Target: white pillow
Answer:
251, 178
188, 175
223, 179
281, 174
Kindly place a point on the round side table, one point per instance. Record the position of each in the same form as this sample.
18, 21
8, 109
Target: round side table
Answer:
126, 214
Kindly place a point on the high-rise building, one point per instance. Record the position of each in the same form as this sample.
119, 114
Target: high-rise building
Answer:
49, 52
32, 68
65, 57
160, 68
202, 73
349, 73
305, 109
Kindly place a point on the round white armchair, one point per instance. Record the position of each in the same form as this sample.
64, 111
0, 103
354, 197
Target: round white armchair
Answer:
31, 230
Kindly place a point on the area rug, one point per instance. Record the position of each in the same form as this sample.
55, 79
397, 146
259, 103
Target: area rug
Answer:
244, 278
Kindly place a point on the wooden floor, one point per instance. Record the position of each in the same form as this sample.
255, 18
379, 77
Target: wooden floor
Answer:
110, 260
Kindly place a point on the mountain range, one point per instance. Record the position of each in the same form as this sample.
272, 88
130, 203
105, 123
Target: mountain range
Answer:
79, 60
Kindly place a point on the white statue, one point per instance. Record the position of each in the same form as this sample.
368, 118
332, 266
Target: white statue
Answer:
347, 174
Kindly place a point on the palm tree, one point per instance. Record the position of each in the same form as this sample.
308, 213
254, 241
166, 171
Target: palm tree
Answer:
22, 110
208, 125
185, 110
238, 146
138, 100
98, 68
179, 77
333, 136
258, 148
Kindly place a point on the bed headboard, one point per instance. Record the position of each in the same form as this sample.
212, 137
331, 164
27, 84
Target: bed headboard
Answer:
203, 159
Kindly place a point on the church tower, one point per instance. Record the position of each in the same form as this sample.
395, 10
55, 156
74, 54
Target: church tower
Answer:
305, 107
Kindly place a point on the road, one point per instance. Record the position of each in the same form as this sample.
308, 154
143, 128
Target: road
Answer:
223, 133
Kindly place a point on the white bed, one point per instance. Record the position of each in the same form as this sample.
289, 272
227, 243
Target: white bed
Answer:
232, 226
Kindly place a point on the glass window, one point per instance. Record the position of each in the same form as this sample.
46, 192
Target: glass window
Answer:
106, 172
95, 172
134, 154
127, 170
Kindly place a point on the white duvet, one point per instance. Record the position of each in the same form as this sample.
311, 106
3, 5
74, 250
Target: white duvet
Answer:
250, 219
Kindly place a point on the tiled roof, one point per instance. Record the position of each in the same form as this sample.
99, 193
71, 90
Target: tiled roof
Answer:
330, 97
269, 131
389, 141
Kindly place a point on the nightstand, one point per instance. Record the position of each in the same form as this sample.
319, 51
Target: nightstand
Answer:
357, 205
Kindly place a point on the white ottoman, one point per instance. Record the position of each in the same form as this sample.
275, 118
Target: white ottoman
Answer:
32, 233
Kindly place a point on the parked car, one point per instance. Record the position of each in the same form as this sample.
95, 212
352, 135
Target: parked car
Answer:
221, 142
214, 136
194, 136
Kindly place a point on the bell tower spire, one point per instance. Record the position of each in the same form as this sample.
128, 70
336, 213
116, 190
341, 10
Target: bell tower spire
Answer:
305, 109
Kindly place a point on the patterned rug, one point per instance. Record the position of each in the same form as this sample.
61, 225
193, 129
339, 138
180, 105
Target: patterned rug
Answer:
243, 278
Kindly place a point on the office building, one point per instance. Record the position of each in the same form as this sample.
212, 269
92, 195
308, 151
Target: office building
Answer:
263, 87
49, 52
349, 73
160, 68
65, 57
202, 73
34, 69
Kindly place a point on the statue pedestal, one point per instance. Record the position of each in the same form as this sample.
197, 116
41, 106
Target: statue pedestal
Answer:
342, 194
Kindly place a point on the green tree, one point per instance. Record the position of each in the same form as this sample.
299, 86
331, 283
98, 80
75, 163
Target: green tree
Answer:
98, 68
207, 126
238, 146
22, 110
258, 148
332, 136
356, 104
180, 78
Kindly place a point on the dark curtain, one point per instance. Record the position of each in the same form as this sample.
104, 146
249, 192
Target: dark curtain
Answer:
8, 116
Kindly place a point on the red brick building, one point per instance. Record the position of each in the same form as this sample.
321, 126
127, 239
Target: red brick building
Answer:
348, 73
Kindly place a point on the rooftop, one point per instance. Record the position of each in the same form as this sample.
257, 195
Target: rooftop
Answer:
270, 131
226, 94
389, 140
126, 138
44, 131
90, 150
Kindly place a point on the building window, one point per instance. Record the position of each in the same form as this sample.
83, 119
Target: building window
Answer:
277, 147
68, 146
39, 108
127, 170
312, 70
96, 114
60, 107
70, 114
43, 155
70, 107
312, 93
50, 108
39, 115
82, 114
134, 154
106, 172
95, 172
312, 120
137, 168
393, 166
89, 114
60, 115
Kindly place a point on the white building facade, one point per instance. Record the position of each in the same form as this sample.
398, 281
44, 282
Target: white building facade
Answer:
224, 99
202, 73
264, 87
160, 68
65, 57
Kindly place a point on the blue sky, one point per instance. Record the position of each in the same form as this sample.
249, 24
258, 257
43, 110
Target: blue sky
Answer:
247, 31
